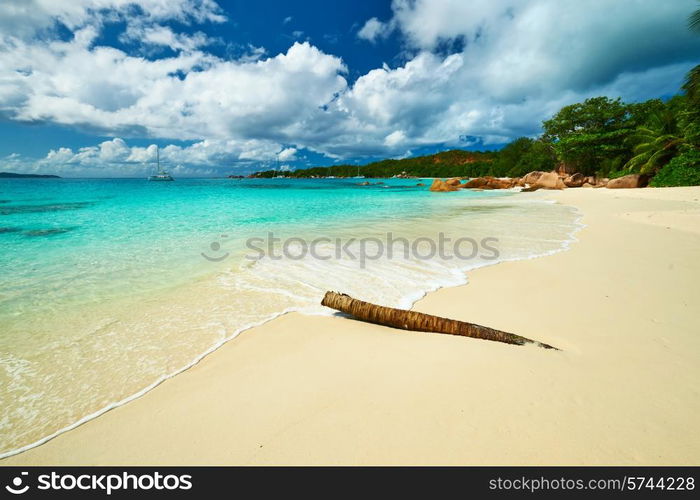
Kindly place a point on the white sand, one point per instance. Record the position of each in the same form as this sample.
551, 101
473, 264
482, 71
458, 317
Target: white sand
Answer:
623, 305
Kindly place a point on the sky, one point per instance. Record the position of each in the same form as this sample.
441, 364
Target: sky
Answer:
88, 88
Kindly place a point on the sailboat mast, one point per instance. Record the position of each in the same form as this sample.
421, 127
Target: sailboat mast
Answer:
157, 158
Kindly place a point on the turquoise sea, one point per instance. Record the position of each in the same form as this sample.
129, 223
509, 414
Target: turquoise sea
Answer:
109, 286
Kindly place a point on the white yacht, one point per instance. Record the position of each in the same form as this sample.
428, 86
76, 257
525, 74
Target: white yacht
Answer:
160, 175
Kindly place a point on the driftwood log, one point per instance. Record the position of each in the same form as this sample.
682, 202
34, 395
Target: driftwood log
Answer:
412, 320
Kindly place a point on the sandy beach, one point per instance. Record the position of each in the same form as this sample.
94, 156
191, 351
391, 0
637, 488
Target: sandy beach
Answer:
622, 305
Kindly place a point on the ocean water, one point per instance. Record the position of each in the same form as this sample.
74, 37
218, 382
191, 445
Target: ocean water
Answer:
109, 286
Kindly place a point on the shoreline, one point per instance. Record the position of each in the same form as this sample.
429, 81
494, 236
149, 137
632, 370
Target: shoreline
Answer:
241, 370
408, 288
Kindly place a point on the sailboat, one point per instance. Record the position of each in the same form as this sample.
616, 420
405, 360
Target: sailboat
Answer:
358, 176
278, 174
161, 175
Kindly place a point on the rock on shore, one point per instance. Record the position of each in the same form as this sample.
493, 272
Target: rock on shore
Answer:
541, 180
628, 181
439, 185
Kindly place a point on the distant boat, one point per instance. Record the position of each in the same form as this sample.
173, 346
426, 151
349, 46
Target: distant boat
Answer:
279, 173
358, 176
161, 175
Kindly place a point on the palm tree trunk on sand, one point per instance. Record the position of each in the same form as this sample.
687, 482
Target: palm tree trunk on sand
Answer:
412, 320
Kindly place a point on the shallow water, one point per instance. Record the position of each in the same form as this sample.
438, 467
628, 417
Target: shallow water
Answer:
109, 286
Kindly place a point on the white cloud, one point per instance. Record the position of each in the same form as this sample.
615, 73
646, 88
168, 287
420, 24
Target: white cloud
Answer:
492, 69
374, 29
189, 96
252, 54
114, 150
25, 17
496, 68
116, 158
396, 137
528, 47
287, 154
60, 156
164, 36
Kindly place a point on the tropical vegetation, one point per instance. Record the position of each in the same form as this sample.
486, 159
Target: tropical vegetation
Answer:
600, 136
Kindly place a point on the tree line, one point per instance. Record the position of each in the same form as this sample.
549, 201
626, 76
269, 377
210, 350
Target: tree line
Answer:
600, 136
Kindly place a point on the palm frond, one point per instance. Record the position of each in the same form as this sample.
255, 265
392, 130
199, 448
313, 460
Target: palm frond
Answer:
637, 161
692, 82
694, 21
656, 161
644, 131
658, 157
643, 147
662, 141
673, 145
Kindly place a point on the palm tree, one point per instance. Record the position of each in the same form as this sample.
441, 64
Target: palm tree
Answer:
692, 84
694, 21
657, 143
692, 80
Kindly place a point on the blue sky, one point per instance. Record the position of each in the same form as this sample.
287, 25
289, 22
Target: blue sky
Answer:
88, 87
